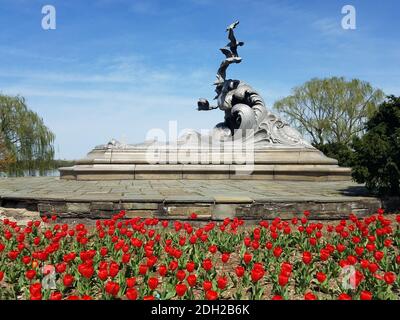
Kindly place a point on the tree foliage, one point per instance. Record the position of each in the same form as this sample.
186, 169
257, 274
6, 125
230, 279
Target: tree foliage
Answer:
343, 153
6, 159
25, 138
378, 151
332, 110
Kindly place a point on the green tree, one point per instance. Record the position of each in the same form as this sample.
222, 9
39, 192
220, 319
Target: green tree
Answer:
5, 157
332, 110
343, 153
25, 138
377, 153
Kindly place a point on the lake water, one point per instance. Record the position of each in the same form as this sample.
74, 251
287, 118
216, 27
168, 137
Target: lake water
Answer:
48, 173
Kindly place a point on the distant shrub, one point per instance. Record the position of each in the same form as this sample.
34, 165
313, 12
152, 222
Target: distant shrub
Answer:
339, 151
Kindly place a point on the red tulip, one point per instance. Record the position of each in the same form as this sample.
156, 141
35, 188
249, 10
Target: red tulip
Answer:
131, 293
277, 252
310, 296
61, 267
364, 264
283, 280
153, 283
190, 266
359, 251
365, 295
373, 267
68, 280
164, 223
239, 271
55, 296
213, 249
378, 255
180, 289
191, 280
222, 282
255, 245
102, 274
207, 264
370, 247
277, 298
30, 274
35, 291
313, 241
25, 260
207, 285
286, 268
193, 216
389, 277
324, 254
321, 277
1, 275
114, 269
112, 288
180, 275
307, 257
143, 269
13, 255
211, 295
86, 270
344, 296
247, 257
173, 265
387, 242
182, 241
103, 251
126, 257
162, 270
225, 257
257, 273
130, 282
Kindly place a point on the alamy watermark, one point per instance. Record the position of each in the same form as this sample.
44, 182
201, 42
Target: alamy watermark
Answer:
49, 278
349, 20
189, 147
349, 278
49, 21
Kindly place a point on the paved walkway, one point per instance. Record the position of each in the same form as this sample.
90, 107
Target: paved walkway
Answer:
226, 191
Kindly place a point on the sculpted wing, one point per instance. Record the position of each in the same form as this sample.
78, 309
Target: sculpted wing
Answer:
231, 37
226, 52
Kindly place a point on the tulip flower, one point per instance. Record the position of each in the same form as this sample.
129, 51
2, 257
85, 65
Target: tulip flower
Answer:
152, 283
180, 289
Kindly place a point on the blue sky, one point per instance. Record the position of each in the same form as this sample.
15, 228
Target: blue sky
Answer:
118, 68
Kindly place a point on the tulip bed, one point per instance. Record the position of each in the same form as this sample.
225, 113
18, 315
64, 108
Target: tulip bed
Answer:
139, 258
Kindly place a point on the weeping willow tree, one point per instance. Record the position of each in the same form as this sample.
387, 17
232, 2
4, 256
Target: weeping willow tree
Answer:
26, 144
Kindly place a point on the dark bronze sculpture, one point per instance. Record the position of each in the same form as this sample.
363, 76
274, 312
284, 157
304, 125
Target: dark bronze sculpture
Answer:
244, 108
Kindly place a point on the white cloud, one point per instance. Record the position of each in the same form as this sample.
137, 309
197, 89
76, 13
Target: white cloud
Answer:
329, 26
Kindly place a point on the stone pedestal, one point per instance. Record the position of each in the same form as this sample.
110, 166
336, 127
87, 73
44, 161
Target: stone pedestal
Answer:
131, 163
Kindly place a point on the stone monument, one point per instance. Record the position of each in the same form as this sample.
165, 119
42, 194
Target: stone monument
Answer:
251, 143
